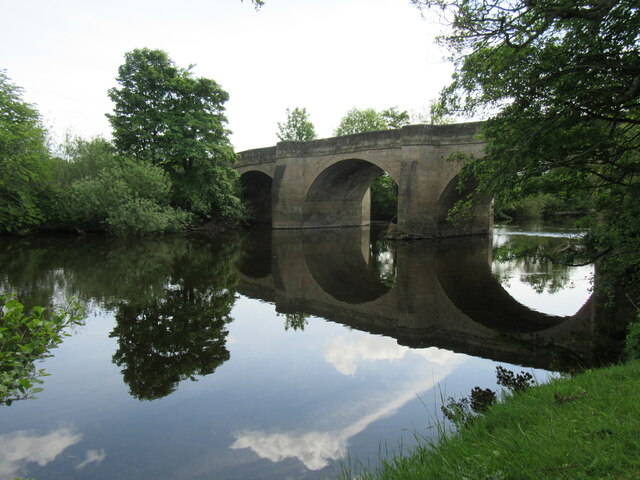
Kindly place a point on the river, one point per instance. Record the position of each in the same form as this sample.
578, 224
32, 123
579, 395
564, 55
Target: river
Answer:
277, 354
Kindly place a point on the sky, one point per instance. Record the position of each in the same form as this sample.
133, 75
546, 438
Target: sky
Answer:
327, 56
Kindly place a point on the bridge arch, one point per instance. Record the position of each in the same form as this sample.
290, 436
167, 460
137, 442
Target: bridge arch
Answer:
340, 194
256, 189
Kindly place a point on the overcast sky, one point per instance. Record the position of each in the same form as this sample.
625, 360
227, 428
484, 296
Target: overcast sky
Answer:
325, 55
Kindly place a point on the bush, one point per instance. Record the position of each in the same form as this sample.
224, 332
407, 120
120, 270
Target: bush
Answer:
632, 342
100, 191
25, 339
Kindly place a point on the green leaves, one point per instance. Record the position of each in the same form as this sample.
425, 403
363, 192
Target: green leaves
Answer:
168, 118
25, 338
297, 128
561, 83
23, 160
98, 190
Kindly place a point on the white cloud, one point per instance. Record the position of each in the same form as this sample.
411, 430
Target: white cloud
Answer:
93, 456
21, 447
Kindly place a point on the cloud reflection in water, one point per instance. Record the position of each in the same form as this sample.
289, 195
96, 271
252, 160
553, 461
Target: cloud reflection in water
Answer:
22, 447
315, 449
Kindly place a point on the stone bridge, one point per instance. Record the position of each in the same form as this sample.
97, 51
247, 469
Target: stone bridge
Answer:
443, 295
325, 183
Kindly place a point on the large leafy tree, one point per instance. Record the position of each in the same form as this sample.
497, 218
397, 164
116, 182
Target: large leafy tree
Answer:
168, 117
297, 127
561, 83
370, 120
23, 159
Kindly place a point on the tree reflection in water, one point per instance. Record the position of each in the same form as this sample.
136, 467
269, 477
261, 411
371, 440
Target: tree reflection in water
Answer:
535, 258
180, 333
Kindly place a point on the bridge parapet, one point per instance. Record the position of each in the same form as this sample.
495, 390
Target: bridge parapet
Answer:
462, 133
256, 156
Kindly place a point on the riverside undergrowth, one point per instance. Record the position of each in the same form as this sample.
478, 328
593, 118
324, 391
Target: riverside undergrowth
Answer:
580, 427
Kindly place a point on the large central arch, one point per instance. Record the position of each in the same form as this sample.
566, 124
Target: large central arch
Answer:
340, 195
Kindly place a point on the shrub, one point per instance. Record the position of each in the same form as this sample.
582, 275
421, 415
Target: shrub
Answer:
25, 338
101, 191
632, 341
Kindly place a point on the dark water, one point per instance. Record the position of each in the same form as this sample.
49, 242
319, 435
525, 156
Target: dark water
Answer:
275, 354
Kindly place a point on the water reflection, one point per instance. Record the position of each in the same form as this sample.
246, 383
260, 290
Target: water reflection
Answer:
317, 448
180, 332
172, 296
19, 448
442, 294
245, 315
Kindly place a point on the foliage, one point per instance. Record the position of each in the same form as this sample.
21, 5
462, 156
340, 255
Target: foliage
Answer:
632, 342
296, 321
515, 383
98, 190
370, 120
539, 261
395, 119
23, 160
464, 411
297, 128
482, 399
563, 81
384, 198
540, 206
257, 3
26, 338
165, 116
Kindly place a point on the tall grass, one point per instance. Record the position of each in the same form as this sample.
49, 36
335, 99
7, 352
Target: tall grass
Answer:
583, 427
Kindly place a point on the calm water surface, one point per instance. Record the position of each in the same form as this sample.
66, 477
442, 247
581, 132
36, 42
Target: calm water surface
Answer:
275, 354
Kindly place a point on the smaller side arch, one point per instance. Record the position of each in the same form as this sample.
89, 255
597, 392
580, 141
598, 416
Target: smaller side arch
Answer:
256, 187
481, 221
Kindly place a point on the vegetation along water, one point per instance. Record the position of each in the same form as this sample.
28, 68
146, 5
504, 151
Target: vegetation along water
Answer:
261, 353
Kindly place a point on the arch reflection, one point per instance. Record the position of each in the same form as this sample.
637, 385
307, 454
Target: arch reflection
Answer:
444, 295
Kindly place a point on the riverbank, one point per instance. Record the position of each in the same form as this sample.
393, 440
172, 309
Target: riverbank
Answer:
587, 426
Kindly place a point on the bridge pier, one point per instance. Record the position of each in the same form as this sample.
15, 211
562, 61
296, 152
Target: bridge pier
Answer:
326, 183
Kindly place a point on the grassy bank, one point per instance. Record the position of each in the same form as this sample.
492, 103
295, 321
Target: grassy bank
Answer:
587, 426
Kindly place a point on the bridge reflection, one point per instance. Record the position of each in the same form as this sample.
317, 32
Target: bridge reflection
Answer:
444, 295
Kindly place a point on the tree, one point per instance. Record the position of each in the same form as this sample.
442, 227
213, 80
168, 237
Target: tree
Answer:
370, 120
359, 121
165, 116
23, 159
395, 119
297, 127
562, 81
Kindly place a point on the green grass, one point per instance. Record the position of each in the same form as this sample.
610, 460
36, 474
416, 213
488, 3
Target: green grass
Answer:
587, 426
